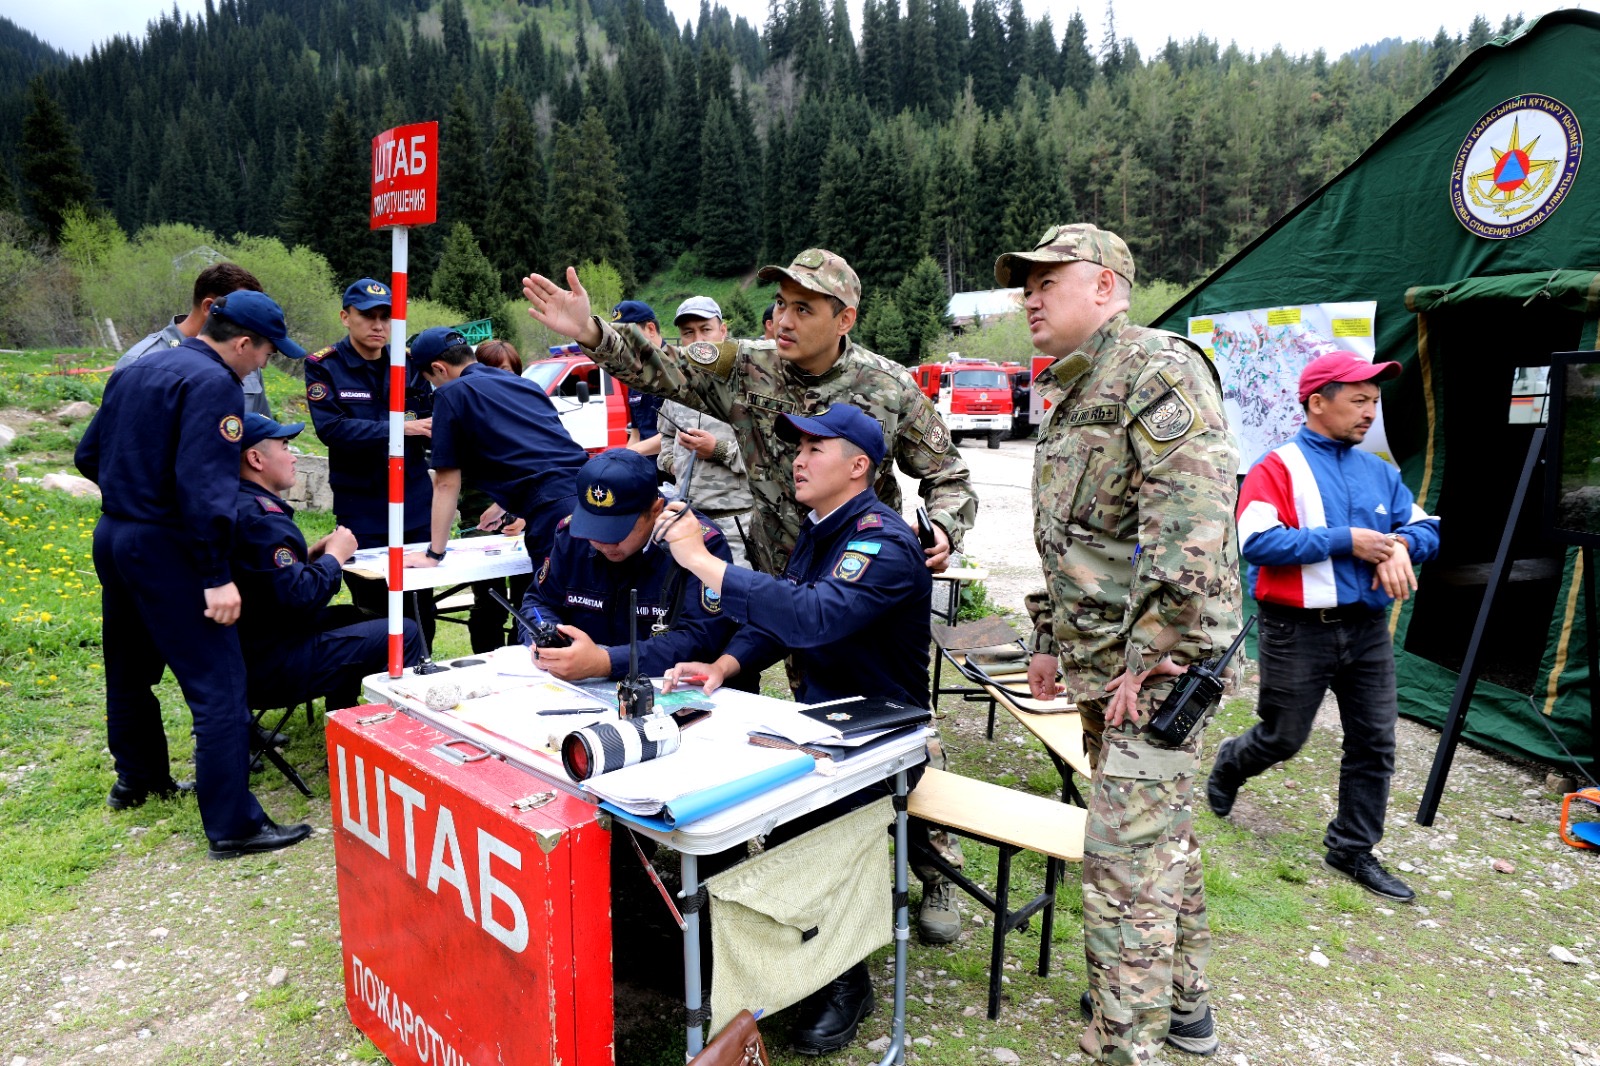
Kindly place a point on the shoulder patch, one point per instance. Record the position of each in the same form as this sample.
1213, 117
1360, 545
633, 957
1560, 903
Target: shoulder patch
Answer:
1169, 417
702, 352
851, 566
869, 521
715, 359
928, 429
232, 428
707, 531
269, 506
865, 547
711, 601
317, 356
317, 391
563, 524
544, 570
283, 557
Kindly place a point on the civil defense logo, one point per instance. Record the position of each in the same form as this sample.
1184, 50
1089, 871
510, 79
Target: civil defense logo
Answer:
1516, 166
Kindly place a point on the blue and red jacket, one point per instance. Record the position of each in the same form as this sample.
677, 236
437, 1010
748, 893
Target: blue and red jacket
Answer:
1297, 507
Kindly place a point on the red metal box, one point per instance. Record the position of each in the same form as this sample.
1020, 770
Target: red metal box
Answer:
474, 906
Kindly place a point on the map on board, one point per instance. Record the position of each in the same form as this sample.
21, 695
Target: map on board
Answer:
1260, 354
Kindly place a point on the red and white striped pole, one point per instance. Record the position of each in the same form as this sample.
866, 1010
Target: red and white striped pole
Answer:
400, 254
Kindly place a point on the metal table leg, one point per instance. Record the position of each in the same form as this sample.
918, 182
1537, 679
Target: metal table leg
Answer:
896, 1054
693, 998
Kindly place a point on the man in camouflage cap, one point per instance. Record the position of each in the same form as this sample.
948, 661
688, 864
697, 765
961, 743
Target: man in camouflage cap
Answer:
810, 365
1135, 472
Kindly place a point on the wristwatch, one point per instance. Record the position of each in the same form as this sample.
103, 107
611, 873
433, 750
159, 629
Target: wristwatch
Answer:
437, 557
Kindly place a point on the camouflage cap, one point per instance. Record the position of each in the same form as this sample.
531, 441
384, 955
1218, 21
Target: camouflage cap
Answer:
1077, 243
821, 271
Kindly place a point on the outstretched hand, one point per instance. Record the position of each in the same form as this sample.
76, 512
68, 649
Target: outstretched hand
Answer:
566, 311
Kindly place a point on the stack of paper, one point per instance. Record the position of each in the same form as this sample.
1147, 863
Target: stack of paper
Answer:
703, 776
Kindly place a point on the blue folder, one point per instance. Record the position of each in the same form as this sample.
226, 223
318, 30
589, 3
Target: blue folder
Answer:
696, 805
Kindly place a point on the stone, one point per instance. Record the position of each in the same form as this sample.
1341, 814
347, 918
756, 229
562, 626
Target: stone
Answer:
158, 933
878, 1045
1506, 813
1427, 923
1504, 866
7, 435
75, 411
277, 977
1317, 958
1005, 1054
1561, 954
1559, 783
71, 484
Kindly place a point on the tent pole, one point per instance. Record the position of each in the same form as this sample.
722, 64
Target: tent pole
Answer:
1455, 722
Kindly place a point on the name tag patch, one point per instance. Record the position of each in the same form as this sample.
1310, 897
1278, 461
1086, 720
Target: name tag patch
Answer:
592, 603
354, 394
1105, 412
769, 403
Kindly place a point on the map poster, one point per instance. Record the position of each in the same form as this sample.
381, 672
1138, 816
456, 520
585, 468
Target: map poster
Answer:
1260, 355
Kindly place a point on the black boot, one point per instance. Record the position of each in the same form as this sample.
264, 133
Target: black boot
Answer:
829, 1017
125, 796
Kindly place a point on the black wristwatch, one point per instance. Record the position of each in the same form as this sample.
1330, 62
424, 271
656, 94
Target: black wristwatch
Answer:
437, 557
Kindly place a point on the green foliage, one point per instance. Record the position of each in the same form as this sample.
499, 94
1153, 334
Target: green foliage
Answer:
604, 284
728, 204
87, 237
743, 320
37, 291
923, 302
883, 329
516, 233
589, 219
466, 279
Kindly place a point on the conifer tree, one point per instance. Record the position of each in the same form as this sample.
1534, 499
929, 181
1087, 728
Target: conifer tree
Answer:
924, 305
986, 57
887, 328
921, 86
463, 185
299, 218
50, 161
1077, 65
342, 212
466, 281
728, 215
840, 200
589, 220
516, 202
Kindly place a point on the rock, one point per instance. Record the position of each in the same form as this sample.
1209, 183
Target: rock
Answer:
12, 472
157, 933
1317, 958
442, 697
1504, 866
75, 411
1406, 868
921, 1041
241, 997
277, 977
1561, 954
7, 435
1446, 1059
144, 1034
71, 484
22, 1060
880, 1044
1005, 1054
1507, 813
54, 1017
1559, 783
1427, 923
970, 1012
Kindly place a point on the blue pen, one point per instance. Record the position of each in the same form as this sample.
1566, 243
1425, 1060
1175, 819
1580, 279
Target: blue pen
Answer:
1137, 548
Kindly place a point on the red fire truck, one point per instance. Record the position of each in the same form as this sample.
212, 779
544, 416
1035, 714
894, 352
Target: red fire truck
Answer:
973, 395
592, 403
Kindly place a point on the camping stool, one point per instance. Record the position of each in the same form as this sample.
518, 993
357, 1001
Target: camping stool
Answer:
1011, 821
263, 749
985, 652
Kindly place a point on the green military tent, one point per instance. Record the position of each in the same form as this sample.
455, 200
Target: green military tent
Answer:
1473, 224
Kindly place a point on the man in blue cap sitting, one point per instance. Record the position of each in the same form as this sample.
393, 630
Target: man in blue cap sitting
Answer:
599, 556
852, 609
297, 647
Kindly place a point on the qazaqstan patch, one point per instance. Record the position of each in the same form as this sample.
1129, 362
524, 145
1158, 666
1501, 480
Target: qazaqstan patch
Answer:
711, 601
851, 566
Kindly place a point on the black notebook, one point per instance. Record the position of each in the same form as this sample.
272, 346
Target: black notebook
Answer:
853, 717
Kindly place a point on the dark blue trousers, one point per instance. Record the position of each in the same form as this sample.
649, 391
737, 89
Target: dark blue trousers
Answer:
1301, 659
153, 610
330, 661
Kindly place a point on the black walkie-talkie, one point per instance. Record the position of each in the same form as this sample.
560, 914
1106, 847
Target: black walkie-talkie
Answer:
544, 634
636, 696
1197, 689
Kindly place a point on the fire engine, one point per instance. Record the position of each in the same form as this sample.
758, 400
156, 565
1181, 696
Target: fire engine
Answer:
593, 404
973, 395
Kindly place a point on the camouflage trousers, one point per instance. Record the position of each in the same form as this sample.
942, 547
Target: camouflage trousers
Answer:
1145, 933
939, 841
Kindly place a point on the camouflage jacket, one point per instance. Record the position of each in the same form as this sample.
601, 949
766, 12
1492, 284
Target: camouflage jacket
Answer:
748, 385
720, 487
1135, 474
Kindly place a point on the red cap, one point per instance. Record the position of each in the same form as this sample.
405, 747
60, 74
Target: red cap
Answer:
1342, 366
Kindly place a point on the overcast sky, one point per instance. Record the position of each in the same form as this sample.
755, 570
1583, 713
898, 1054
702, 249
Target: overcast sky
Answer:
1256, 25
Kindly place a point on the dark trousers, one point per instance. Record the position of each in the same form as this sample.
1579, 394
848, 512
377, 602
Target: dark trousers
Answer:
371, 595
1301, 659
330, 662
153, 610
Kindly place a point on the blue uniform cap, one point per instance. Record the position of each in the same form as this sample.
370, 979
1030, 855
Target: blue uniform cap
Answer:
260, 314
614, 489
632, 311
258, 427
366, 294
842, 420
432, 343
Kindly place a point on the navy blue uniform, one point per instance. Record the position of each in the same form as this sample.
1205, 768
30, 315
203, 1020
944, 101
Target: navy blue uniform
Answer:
349, 402
642, 411
164, 449
578, 586
852, 607
505, 436
295, 647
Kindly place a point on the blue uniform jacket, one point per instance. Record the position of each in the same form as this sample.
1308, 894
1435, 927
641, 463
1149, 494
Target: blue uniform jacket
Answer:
643, 407
852, 606
578, 586
164, 449
349, 402
282, 592
506, 437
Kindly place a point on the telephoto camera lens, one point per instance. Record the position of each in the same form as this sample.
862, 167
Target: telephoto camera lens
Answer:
607, 746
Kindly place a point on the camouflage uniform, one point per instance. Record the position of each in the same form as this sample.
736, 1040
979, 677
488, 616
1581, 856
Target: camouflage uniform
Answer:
748, 385
720, 491
1135, 473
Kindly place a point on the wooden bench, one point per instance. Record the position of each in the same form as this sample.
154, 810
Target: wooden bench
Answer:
1011, 821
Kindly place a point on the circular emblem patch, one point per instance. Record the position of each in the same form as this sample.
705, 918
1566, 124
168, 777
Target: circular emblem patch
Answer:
1516, 166
600, 496
232, 428
702, 352
1169, 419
316, 391
938, 437
283, 557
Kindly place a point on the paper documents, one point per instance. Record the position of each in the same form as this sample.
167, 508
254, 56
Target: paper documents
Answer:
703, 776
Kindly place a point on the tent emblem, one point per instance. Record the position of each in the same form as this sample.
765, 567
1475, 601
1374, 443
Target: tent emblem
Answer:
1516, 166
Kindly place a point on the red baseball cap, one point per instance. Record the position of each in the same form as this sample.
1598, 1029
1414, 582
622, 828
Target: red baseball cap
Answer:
1342, 366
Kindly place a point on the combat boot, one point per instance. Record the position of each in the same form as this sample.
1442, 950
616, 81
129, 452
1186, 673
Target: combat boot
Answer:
1222, 787
939, 919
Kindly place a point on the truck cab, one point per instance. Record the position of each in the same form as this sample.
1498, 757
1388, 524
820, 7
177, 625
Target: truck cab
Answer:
972, 395
593, 405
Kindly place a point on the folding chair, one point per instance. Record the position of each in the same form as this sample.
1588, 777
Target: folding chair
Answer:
261, 741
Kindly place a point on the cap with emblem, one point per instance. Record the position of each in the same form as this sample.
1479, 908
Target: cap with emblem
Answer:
261, 315
1344, 367
1077, 243
821, 271
258, 427
432, 343
697, 307
632, 311
366, 294
614, 489
844, 420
